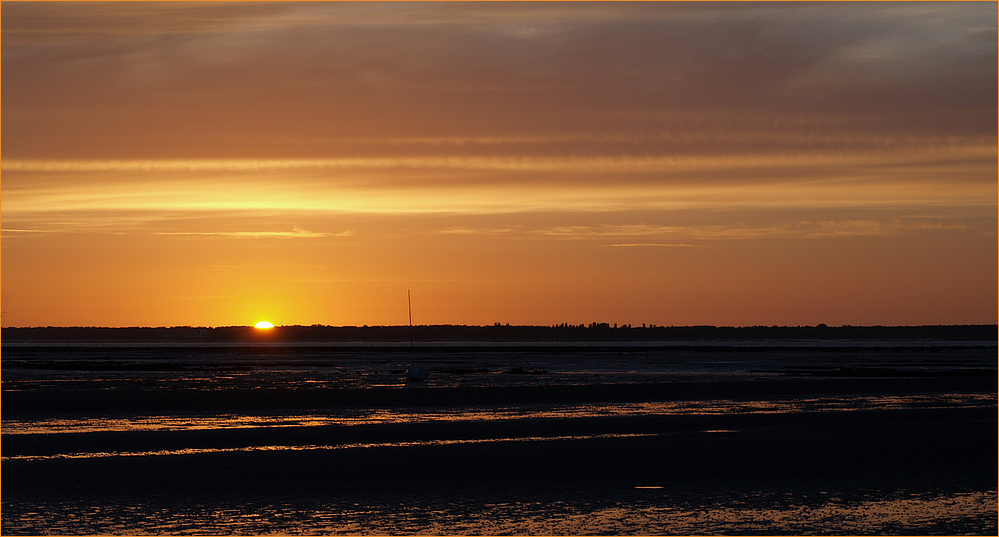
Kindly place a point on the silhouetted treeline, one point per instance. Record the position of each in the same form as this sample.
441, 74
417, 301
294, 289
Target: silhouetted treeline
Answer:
499, 333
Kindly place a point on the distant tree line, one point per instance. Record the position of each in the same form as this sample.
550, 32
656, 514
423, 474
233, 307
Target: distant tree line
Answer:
500, 332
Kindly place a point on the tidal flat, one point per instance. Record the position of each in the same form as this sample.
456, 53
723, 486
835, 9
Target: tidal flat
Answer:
581, 439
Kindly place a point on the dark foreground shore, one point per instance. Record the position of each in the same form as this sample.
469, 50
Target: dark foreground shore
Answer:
748, 442
463, 471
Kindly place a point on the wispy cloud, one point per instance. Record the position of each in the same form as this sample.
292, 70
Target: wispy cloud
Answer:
159, 225
453, 191
916, 154
684, 235
653, 245
13, 233
807, 229
461, 230
493, 185
295, 233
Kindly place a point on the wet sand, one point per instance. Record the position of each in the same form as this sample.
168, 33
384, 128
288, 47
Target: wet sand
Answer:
16, 403
941, 449
743, 472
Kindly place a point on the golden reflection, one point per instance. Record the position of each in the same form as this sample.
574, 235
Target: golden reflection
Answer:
387, 416
313, 447
922, 514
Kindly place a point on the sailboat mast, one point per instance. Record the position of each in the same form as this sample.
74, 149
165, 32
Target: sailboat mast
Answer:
414, 373
409, 298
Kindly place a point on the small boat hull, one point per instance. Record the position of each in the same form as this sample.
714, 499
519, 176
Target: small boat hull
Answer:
416, 374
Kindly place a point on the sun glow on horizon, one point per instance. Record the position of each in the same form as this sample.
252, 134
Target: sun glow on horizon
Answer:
263, 325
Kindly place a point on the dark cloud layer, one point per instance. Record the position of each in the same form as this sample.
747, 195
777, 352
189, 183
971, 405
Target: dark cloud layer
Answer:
161, 79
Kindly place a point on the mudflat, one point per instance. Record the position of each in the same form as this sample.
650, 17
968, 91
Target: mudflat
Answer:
647, 446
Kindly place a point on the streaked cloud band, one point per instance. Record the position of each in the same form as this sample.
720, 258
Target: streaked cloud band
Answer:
593, 164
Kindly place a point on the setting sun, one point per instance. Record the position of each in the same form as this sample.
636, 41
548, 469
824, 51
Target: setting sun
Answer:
263, 325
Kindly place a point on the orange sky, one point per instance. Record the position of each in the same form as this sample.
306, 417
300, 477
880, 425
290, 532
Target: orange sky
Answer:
525, 163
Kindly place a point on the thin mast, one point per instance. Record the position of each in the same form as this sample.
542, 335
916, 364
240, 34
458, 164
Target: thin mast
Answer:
409, 298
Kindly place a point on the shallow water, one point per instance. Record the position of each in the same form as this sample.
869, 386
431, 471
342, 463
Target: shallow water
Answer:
330, 367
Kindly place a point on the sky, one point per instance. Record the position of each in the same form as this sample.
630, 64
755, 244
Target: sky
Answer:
737, 164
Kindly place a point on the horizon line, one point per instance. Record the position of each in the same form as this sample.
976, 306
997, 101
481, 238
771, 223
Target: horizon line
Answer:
595, 325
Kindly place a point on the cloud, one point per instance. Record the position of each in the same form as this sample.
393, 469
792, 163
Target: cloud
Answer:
236, 224
496, 108
805, 229
700, 235
40, 24
295, 233
653, 245
221, 80
873, 150
463, 230
498, 185
13, 233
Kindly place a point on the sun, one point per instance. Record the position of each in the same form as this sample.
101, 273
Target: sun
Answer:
263, 325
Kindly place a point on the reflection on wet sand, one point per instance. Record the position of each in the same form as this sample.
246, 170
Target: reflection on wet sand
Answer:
347, 417
412, 443
657, 513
